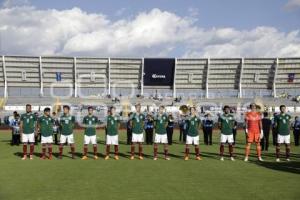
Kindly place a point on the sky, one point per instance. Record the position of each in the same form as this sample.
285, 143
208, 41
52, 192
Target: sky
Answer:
157, 28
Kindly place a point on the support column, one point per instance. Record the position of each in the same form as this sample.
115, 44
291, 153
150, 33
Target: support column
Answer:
109, 76
5, 77
75, 77
174, 80
240, 80
207, 74
275, 77
41, 77
142, 77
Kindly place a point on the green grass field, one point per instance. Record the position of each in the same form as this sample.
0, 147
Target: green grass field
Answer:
147, 179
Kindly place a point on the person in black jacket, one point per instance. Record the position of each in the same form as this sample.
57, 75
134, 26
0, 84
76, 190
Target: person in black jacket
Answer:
129, 130
207, 129
266, 126
149, 129
296, 130
170, 128
274, 130
234, 129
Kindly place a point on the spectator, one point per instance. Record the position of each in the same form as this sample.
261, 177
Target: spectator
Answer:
266, 126
129, 130
207, 129
170, 129
296, 130
56, 129
15, 125
149, 129
274, 130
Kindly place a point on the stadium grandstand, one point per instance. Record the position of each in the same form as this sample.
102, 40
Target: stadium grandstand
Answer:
208, 82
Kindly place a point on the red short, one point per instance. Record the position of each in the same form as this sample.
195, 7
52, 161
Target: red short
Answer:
253, 136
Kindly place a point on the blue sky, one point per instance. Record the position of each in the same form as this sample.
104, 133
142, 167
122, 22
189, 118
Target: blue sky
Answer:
241, 14
184, 28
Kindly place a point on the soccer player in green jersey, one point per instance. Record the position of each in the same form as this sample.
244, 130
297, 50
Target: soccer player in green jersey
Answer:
226, 124
27, 130
282, 124
160, 125
67, 123
194, 123
90, 123
112, 138
137, 123
45, 125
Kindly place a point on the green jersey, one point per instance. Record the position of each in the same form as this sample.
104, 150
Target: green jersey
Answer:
46, 125
137, 123
227, 124
112, 125
90, 122
161, 122
283, 123
67, 123
28, 120
193, 125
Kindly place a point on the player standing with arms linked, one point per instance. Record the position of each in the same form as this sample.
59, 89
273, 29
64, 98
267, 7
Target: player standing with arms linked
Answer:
90, 123
226, 124
282, 124
137, 123
27, 130
161, 137
192, 137
253, 130
45, 125
67, 123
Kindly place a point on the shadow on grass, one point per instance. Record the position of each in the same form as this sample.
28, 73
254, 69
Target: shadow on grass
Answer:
291, 167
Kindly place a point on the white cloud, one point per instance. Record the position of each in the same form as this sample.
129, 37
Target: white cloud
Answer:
27, 30
292, 4
13, 3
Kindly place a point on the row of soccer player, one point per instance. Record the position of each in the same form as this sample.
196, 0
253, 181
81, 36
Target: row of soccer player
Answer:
30, 125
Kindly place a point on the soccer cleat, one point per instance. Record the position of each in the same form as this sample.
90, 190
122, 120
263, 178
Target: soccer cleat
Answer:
277, 160
167, 158
246, 159
131, 157
95, 157
155, 158
288, 160
50, 157
31, 157
141, 158
24, 157
106, 158
232, 158
84, 158
116, 157
222, 158
260, 159
186, 158
43, 157
198, 158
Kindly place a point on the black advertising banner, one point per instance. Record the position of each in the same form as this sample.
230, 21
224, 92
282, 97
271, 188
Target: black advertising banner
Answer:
159, 71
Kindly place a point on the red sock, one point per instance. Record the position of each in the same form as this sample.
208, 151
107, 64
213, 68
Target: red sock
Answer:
287, 151
43, 150
24, 149
166, 152
95, 149
31, 149
187, 151
116, 150
61, 147
231, 150
132, 149
155, 150
140, 150
72, 150
50, 150
85, 149
107, 150
222, 150
197, 151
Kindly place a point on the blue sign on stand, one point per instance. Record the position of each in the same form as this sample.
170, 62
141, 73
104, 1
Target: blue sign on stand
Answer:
58, 76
